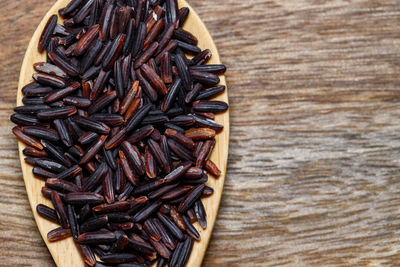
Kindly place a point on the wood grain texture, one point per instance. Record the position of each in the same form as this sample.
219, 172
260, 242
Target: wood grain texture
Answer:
313, 176
65, 253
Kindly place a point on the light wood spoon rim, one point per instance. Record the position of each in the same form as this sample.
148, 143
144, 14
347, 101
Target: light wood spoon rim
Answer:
65, 252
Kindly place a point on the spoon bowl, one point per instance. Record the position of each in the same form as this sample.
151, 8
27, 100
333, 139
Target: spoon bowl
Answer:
65, 252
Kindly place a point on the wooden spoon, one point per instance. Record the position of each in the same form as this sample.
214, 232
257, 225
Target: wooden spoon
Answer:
65, 252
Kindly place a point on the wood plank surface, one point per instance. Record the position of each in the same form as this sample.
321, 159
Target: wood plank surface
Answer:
313, 176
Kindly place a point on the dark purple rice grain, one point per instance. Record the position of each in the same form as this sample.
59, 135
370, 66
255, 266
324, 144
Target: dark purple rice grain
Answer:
194, 173
201, 58
171, 226
87, 255
153, 33
114, 24
54, 152
146, 55
176, 193
140, 11
192, 94
47, 212
137, 118
61, 185
101, 237
84, 42
144, 213
59, 94
117, 258
166, 68
47, 32
187, 248
73, 221
201, 180
60, 30
32, 100
108, 188
126, 65
70, 8
114, 52
42, 173
30, 160
151, 229
60, 210
84, 213
172, 10
200, 213
147, 187
155, 120
118, 79
63, 132
147, 87
204, 77
183, 120
171, 96
63, 64
50, 69
50, 165
128, 170
94, 224
191, 198
79, 102
116, 139
156, 135
123, 18
190, 230
161, 248
90, 57
168, 48
33, 152
79, 198
109, 158
92, 124
189, 48
191, 215
87, 138
100, 83
118, 217
95, 178
134, 156
159, 155
201, 121
177, 218
102, 102
130, 33
91, 73
180, 151
185, 36
41, 133
139, 39
38, 91
156, 14
176, 255
140, 246
83, 12
58, 234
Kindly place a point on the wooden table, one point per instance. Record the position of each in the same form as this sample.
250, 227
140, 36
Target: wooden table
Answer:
314, 166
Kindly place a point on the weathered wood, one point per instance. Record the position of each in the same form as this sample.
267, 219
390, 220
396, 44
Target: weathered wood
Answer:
313, 173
